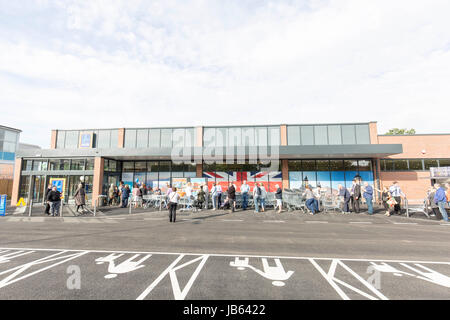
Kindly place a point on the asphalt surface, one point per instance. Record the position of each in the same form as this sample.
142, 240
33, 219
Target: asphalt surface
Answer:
290, 256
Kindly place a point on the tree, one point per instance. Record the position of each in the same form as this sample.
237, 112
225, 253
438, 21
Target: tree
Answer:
397, 131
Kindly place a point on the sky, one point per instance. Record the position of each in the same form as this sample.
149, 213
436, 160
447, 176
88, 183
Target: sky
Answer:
68, 64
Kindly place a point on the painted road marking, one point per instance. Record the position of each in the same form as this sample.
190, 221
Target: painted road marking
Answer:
405, 222
274, 221
313, 221
338, 272
361, 222
232, 220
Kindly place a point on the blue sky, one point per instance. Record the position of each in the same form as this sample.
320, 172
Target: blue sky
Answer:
99, 64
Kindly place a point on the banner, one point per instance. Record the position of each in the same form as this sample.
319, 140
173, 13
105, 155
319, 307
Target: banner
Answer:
2, 204
60, 184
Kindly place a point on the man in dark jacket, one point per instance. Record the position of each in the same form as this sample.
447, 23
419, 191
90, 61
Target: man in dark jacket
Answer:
343, 192
47, 204
279, 198
232, 197
356, 195
125, 196
54, 197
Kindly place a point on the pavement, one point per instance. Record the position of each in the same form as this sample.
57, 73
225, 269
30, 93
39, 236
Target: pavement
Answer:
221, 255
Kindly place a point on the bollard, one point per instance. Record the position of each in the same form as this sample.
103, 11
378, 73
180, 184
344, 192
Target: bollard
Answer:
30, 208
61, 208
129, 203
95, 207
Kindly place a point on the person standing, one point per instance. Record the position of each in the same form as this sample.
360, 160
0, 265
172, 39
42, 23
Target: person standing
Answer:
54, 197
397, 193
80, 198
47, 203
214, 196
205, 189
232, 197
441, 200
121, 187
200, 198
136, 195
125, 196
245, 189
111, 194
173, 202
368, 195
219, 195
433, 206
343, 192
356, 195
263, 196
279, 198
256, 196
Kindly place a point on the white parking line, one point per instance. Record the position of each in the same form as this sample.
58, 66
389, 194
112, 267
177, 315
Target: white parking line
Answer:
312, 221
232, 220
405, 222
274, 221
361, 222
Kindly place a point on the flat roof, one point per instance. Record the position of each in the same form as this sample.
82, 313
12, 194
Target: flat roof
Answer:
9, 128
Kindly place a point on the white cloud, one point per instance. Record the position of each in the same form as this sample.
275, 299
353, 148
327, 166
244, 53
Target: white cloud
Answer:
140, 63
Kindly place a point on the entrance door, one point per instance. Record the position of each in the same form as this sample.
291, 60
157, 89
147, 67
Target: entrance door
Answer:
38, 188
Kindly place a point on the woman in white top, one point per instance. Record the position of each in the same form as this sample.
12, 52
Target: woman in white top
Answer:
136, 195
173, 202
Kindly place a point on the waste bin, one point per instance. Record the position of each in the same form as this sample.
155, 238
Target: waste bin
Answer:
101, 200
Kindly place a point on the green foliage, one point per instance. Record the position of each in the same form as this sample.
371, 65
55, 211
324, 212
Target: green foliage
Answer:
397, 131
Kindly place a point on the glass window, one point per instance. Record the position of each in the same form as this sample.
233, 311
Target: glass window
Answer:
142, 138
293, 135
178, 136
166, 138
71, 140
10, 136
322, 165
444, 162
130, 138
221, 137
189, 140
154, 138
334, 135
104, 139
90, 164
78, 164
164, 171
128, 166
9, 147
27, 165
60, 139
178, 170
209, 137
365, 165
308, 165
248, 136
295, 165
261, 136
400, 165
140, 166
24, 186
389, 165
348, 134
336, 165
430, 163
351, 165
307, 135
320, 135
362, 134
415, 164
234, 137
152, 166
274, 136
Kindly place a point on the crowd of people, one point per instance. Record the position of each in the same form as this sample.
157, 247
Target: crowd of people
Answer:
391, 197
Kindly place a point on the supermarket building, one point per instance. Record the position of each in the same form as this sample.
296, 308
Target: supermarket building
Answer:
285, 155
